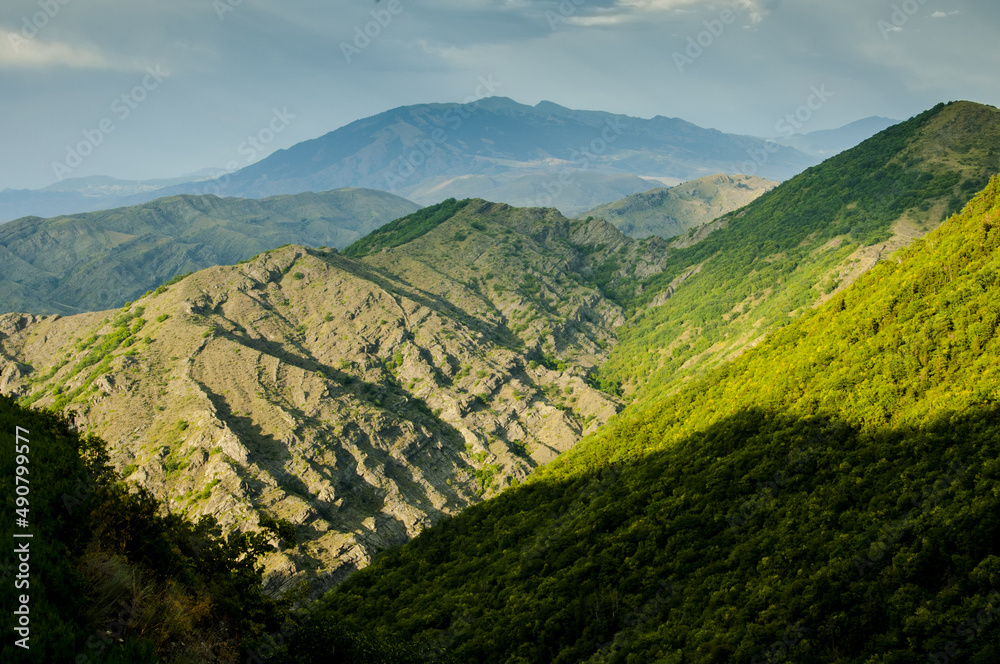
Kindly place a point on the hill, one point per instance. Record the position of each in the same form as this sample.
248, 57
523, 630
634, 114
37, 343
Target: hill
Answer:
361, 396
671, 211
97, 260
729, 283
827, 497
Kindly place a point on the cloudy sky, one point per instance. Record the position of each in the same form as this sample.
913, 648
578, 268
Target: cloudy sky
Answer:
159, 88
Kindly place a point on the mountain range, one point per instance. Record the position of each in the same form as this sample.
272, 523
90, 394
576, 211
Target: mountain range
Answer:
496, 434
97, 260
494, 148
48, 265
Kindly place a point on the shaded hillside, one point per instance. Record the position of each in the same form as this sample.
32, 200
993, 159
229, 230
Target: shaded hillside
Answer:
728, 283
108, 578
93, 261
671, 211
360, 399
830, 496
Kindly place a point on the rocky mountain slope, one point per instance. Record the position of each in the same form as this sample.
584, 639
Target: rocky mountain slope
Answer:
97, 260
359, 398
671, 211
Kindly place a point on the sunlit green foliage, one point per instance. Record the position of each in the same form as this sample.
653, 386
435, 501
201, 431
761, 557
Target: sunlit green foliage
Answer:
774, 255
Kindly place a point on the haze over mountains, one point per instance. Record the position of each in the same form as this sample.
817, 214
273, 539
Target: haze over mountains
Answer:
496, 148
97, 260
826, 143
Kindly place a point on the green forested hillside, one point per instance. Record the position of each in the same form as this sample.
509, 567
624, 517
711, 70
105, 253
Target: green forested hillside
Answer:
799, 243
100, 260
830, 496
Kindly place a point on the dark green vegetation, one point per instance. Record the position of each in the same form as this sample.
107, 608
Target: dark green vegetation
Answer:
112, 578
830, 496
796, 244
405, 229
100, 260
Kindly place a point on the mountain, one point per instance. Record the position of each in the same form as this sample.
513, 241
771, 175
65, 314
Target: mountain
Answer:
360, 395
495, 148
92, 261
428, 152
830, 496
729, 283
85, 194
829, 142
671, 211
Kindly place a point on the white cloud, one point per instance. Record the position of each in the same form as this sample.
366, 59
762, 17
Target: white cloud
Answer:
596, 21
753, 8
941, 14
16, 52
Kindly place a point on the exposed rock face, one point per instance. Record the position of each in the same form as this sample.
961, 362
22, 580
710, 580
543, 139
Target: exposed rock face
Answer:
360, 400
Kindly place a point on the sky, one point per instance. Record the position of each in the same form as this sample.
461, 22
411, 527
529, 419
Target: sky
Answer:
141, 89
